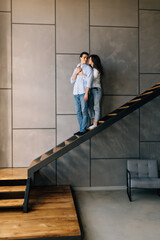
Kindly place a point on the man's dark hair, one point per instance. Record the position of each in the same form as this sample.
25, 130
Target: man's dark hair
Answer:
84, 53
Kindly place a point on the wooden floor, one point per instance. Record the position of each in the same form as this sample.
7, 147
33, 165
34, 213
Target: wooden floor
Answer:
52, 215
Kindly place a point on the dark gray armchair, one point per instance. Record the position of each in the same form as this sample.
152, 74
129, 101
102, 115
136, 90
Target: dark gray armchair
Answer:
142, 174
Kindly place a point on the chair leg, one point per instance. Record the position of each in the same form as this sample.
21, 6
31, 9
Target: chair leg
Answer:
129, 193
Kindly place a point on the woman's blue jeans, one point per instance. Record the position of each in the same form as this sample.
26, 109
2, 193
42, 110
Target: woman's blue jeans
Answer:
94, 103
82, 111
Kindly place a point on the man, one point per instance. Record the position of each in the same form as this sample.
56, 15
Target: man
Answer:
82, 79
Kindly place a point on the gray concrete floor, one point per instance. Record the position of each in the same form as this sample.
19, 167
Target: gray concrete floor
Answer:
108, 215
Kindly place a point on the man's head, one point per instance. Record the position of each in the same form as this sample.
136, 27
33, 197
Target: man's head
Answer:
84, 58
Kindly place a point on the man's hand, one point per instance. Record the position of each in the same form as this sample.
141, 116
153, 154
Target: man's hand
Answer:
86, 97
79, 69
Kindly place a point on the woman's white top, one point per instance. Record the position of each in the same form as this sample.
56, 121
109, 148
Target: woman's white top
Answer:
96, 79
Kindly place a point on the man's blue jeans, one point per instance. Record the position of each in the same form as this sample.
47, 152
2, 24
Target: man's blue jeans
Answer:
82, 111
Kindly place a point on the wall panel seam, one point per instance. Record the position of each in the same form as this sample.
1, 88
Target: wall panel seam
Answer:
149, 141
99, 26
34, 128
111, 158
145, 9
11, 91
56, 134
41, 24
5, 11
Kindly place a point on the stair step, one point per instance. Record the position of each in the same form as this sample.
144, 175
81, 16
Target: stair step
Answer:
34, 162
146, 93
155, 87
135, 100
101, 121
13, 173
56, 149
9, 189
70, 140
123, 107
45, 155
112, 114
11, 202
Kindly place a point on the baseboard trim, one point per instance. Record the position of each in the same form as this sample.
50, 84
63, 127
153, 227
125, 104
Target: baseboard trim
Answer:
105, 188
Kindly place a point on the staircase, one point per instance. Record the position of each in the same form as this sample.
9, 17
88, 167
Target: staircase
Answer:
14, 188
104, 123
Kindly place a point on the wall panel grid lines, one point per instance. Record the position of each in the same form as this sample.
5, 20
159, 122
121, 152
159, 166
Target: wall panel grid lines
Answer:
116, 26
40, 44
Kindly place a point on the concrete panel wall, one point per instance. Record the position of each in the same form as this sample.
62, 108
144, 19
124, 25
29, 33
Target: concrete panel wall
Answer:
114, 13
74, 167
5, 5
30, 143
72, 21
65, 67
149, 4
40, 43
33, 11
149, 41
5, 50
66, 126
5, 128
118, 48
119, 141
33, 76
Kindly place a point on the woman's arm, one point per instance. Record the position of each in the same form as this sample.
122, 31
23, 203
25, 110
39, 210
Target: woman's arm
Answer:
95, 73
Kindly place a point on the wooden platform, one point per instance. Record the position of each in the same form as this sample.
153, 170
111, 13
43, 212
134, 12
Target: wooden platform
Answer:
51, 214
13, 173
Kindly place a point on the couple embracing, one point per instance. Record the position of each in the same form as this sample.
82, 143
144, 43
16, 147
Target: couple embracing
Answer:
87, 90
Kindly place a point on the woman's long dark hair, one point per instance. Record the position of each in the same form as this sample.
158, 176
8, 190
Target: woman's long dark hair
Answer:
97, 63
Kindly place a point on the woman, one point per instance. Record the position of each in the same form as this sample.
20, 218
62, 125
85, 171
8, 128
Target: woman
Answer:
96, 90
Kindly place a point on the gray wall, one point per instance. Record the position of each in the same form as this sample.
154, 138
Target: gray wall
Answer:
40, 43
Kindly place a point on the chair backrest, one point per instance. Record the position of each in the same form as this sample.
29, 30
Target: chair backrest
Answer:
143, 168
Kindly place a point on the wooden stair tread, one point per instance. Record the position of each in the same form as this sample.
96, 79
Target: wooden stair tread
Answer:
4, 189
55, 149
45, 155
155, 87
146, 93
11, 202
13, 173
112, 114
123, 107
34, 162
135, 100
70, 140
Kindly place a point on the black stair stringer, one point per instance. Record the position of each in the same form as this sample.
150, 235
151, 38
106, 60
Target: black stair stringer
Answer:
105, 122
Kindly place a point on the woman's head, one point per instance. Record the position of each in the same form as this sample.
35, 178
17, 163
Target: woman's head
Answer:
95, 62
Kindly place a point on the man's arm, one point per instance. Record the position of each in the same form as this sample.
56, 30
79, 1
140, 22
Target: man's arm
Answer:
75, 73
86, 95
